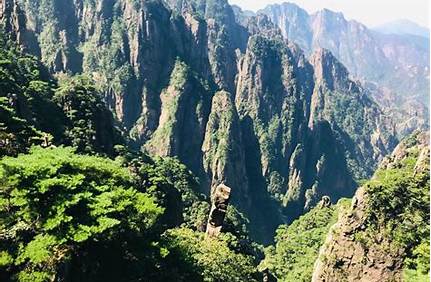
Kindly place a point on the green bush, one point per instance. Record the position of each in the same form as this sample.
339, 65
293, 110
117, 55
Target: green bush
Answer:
55, 206
297, 245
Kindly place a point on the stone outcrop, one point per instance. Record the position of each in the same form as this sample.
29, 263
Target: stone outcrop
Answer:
231, 98
394, 67
349, 256
223, 154
220, 201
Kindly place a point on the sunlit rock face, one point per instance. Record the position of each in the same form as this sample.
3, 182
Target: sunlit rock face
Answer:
395, 67
228, 96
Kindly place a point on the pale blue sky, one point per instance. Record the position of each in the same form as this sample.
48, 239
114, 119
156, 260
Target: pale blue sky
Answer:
369, 12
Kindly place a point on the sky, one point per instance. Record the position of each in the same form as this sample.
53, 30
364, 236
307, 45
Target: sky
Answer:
369, 12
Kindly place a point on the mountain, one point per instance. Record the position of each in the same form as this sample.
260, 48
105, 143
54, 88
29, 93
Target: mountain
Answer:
97, 211
388, 223
230, 99
297, 245
403, 26
379, 235
394, 66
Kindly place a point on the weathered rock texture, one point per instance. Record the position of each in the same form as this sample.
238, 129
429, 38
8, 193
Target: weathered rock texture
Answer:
230, 98
220, 201
395, 66
349, 256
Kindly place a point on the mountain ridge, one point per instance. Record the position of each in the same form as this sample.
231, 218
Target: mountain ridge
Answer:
393, 67
403, 26
182, 69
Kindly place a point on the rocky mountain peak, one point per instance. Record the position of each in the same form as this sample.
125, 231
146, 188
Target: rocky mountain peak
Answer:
261, 24
397, 64
327, 16
328, 70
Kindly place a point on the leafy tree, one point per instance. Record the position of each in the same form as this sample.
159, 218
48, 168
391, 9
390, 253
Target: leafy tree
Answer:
37, 111
398, 209
190, 256
297, 245
91, 126
27, 115
61, 211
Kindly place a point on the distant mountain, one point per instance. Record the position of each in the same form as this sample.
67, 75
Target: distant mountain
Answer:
225, 94
403, 26
396, 66
242, 16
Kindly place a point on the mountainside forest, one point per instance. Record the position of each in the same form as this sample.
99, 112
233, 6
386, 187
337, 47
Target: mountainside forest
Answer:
120, 120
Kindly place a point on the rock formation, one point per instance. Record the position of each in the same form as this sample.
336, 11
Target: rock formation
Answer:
220, 201
232, 99
356, 248
394, 66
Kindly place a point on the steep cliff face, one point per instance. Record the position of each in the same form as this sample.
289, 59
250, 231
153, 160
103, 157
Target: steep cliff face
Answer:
231, 99
387, 225
377, 57
223, 154
364, 130
183, 118
307, 123
397, 64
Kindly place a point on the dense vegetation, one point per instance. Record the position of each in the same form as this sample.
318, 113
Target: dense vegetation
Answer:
25, 102
77, 203
297, 245
85, 218
398, 208
38, 110
62, 210
73, 214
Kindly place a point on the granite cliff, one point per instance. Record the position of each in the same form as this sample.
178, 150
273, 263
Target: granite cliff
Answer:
231, 98
393, 67
384, 235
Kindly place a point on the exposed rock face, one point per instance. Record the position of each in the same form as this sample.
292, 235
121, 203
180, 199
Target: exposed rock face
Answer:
349, 110
223, 154
397, 64
182, 120
353, 262
220, 201
349, 256
229, 97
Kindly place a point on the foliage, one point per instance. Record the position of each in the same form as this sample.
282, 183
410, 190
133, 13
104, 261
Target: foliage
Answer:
399, 200
297, 245
55, 206
25, 103
200, 258
194, 206
35, 111
418, 267
398, 208
91, 126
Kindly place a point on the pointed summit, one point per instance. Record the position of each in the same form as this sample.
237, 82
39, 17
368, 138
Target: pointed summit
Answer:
328, 70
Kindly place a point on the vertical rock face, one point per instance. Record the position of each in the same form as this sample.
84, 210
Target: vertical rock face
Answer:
395, 66
235, 102
362, 245
367, 135
223, 154
183, 118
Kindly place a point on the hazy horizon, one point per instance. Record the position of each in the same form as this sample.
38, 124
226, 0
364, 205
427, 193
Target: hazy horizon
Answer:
369, 12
